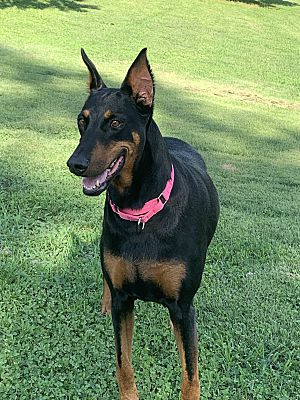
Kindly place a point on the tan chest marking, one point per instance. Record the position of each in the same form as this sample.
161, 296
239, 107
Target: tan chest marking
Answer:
118, 269
168, 275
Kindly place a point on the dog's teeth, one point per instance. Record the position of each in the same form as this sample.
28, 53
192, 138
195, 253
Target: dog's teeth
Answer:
113, 163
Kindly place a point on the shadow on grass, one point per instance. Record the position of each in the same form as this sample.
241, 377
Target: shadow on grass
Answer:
57, 94
43, 98
48, 109
62, 5
211, 125
56, 333
267, 3
51, 195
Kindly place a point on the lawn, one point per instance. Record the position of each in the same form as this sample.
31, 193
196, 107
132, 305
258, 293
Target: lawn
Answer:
227, 76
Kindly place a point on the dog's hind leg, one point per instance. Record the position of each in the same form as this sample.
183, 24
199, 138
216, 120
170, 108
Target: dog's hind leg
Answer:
123, 320
106, 299
183, 318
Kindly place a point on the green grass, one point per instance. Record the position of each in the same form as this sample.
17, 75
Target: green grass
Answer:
227, 82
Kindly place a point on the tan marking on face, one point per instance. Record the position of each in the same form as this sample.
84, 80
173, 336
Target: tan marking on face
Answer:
85, 113
190, 389
168, 275
119, 270
102, 157
124, 179
107, 114
125, 374
99, 160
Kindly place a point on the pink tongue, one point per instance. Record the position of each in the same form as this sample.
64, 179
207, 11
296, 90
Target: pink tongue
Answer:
89, 183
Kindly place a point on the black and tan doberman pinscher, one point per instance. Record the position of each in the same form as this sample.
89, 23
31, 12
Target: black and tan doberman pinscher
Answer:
160, 214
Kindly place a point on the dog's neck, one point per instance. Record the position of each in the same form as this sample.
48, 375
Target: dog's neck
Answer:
150, 173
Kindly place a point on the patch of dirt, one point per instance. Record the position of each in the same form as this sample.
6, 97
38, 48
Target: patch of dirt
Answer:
229, 167
244, 96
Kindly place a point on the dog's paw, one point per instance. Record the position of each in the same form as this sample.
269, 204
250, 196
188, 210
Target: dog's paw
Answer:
106, 308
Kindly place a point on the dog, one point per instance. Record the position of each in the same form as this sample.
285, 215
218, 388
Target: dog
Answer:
160, 214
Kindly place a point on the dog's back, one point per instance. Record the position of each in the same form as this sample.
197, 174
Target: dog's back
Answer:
196, 183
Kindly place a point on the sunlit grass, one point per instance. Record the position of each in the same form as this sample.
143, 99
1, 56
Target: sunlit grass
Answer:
227, 83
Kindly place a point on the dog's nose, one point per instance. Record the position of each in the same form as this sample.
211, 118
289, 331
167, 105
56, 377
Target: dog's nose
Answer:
78, 167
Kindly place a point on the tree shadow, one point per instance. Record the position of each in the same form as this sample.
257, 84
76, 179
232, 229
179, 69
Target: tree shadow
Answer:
267, 3
50, 91
55, 301
56, 330
56, 95
62, 5
60, 91
218, 133
52, 297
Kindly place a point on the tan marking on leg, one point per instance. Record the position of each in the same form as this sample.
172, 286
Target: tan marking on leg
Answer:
106, 299
118, 269
107, 114
167, 275
190, 389
125, 373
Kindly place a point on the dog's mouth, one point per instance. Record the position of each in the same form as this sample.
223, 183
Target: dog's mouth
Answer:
93, 186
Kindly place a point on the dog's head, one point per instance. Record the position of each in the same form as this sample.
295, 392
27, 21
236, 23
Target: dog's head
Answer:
112, 126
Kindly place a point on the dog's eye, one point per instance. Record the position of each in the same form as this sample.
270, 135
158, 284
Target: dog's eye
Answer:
115, 123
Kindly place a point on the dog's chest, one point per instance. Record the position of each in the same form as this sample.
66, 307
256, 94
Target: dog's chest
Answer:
138, 276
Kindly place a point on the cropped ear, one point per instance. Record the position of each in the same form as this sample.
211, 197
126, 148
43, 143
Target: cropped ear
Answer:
95, 81
139, 81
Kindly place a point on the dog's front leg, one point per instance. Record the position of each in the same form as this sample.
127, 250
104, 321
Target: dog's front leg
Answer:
184, 325
122, 316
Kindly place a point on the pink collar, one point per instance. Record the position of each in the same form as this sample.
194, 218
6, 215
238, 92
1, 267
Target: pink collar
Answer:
150, 208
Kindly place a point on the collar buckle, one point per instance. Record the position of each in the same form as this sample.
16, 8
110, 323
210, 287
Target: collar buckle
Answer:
141, 225
162, 198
